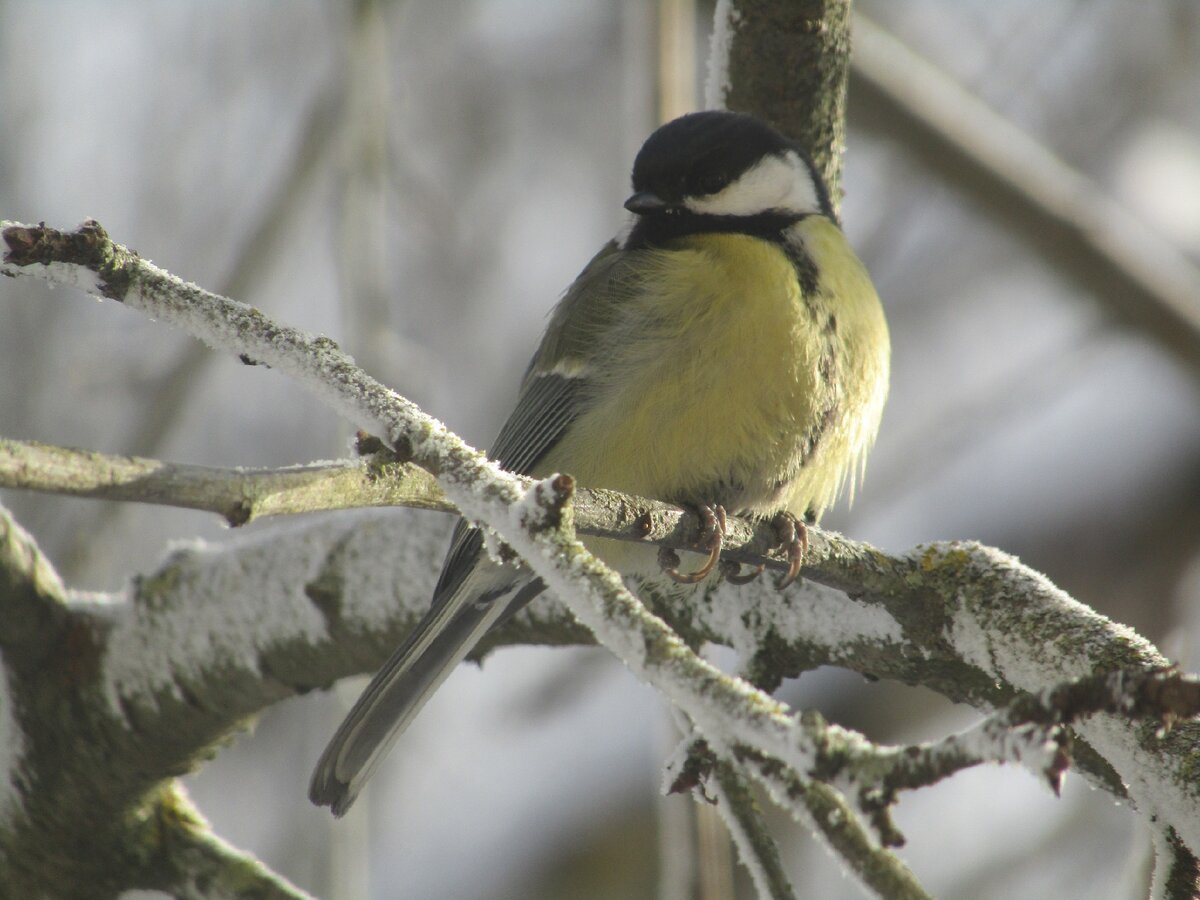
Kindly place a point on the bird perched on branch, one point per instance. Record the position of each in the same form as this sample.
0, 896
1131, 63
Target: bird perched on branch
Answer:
727, 351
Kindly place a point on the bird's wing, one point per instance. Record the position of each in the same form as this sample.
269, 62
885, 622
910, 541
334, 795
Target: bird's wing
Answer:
472, 596
556, 389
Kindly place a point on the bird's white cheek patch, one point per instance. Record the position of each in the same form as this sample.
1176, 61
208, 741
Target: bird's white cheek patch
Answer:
777, 183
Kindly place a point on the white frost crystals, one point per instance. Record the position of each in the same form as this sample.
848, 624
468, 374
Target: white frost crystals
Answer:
155, 648
749, 615
380, 558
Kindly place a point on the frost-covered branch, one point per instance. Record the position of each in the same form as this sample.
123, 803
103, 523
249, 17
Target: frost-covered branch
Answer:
829, 816
811, 803
87, 804
285, 582
1176, 870
756, 847
963, 619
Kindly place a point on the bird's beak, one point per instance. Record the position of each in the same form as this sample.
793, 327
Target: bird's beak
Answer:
645, 202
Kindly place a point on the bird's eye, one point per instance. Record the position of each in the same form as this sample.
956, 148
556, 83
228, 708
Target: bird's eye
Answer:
712, 184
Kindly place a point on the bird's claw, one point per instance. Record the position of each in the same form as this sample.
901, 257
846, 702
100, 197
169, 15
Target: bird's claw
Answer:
793, 535
712, 536
791, 532
731, 571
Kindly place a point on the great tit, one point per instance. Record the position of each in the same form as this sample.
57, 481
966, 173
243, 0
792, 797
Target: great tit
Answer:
726, 350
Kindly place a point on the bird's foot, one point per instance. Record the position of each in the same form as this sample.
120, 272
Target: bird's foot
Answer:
712, 536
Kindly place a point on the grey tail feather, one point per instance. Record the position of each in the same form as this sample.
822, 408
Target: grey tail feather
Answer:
396, 694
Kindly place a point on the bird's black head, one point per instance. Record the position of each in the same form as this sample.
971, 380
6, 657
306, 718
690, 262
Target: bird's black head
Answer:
721, 171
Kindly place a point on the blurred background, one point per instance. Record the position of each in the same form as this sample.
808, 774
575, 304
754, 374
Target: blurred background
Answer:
420, 181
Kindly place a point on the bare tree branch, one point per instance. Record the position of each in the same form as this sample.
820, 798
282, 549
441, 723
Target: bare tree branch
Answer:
242, 495
816, 806
238, 495
1058, 213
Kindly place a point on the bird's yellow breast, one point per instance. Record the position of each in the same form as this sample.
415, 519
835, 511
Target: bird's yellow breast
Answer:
723, 382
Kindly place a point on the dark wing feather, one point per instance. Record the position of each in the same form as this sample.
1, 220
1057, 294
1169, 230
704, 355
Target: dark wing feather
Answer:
546, 407
548, 401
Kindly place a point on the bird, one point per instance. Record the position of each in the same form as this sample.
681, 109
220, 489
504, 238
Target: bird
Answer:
725, 351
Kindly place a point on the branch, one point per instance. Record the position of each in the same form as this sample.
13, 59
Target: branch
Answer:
64, 831
812, 804
313, 572
816, 807
1176, 870
238, 495
756, 848
243, 495
183, 857
1060, 214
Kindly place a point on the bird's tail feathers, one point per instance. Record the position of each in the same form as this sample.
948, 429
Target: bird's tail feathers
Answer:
396, 694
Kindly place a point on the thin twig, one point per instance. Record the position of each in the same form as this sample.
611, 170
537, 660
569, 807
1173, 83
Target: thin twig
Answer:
756, 848
826, 813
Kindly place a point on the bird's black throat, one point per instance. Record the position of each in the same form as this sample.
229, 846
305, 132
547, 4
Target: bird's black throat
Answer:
658, 229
